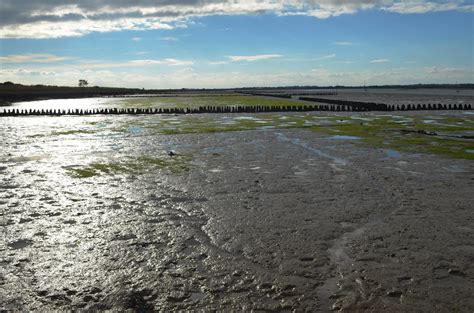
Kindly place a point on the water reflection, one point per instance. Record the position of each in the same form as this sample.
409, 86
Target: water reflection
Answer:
62, 104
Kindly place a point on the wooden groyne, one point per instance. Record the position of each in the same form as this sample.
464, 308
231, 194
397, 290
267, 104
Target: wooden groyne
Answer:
346, 105
334, 106
148, 111
372, 106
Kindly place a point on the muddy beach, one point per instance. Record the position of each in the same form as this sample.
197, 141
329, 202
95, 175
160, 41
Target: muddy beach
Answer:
97, 214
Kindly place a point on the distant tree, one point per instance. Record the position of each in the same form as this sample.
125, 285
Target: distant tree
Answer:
83, 83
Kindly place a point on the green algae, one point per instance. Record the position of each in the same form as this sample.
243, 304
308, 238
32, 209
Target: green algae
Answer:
65, 133
97, 169
411, 137
409, 133
74, 132
400, 133
197, 101
175, 164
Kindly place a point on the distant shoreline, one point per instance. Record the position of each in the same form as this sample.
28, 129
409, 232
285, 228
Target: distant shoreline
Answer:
11, 93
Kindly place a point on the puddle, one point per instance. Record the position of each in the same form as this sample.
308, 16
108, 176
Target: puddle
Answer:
469, 150
251, 118
392, 153
344, 137
216, 170
135, 130
212, 150
362, 118
454, 169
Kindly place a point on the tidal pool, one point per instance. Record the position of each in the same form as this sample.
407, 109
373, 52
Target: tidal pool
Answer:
236, 212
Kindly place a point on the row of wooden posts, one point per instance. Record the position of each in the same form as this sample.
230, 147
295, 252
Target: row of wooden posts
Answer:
357, 107
372, 106
318, 104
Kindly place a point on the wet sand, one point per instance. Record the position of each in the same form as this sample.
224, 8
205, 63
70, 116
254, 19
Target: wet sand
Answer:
263, 220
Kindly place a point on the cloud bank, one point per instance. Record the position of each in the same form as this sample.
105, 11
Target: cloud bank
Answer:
63, 18
253, 58
188, 78
380, 61
32, 58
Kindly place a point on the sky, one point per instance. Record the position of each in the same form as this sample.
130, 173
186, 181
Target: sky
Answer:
237, 43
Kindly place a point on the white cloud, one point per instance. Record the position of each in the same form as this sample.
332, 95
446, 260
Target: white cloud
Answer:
172, 62
32, 58
99, 65
219, 62
343, 43
169, 38
253, 58
380, 61
42, 30
246, 58
60, 18
136, 39
418, 7
325, 57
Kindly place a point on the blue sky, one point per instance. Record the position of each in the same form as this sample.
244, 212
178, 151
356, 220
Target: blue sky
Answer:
153, 44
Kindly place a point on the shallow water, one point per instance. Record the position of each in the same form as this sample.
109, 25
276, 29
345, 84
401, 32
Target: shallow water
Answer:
392, 153
63, 104
341, 137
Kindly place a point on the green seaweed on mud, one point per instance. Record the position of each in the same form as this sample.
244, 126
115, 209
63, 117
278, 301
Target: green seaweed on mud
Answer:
448, 147
74, 132
175, 164
97, 169
201, 124
383, 131
65, 133
409, 133
197, 101
413, 137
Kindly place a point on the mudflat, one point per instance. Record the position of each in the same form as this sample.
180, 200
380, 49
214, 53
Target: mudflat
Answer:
262, 219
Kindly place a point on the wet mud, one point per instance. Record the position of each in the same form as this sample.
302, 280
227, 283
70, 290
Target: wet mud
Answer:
271, 219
